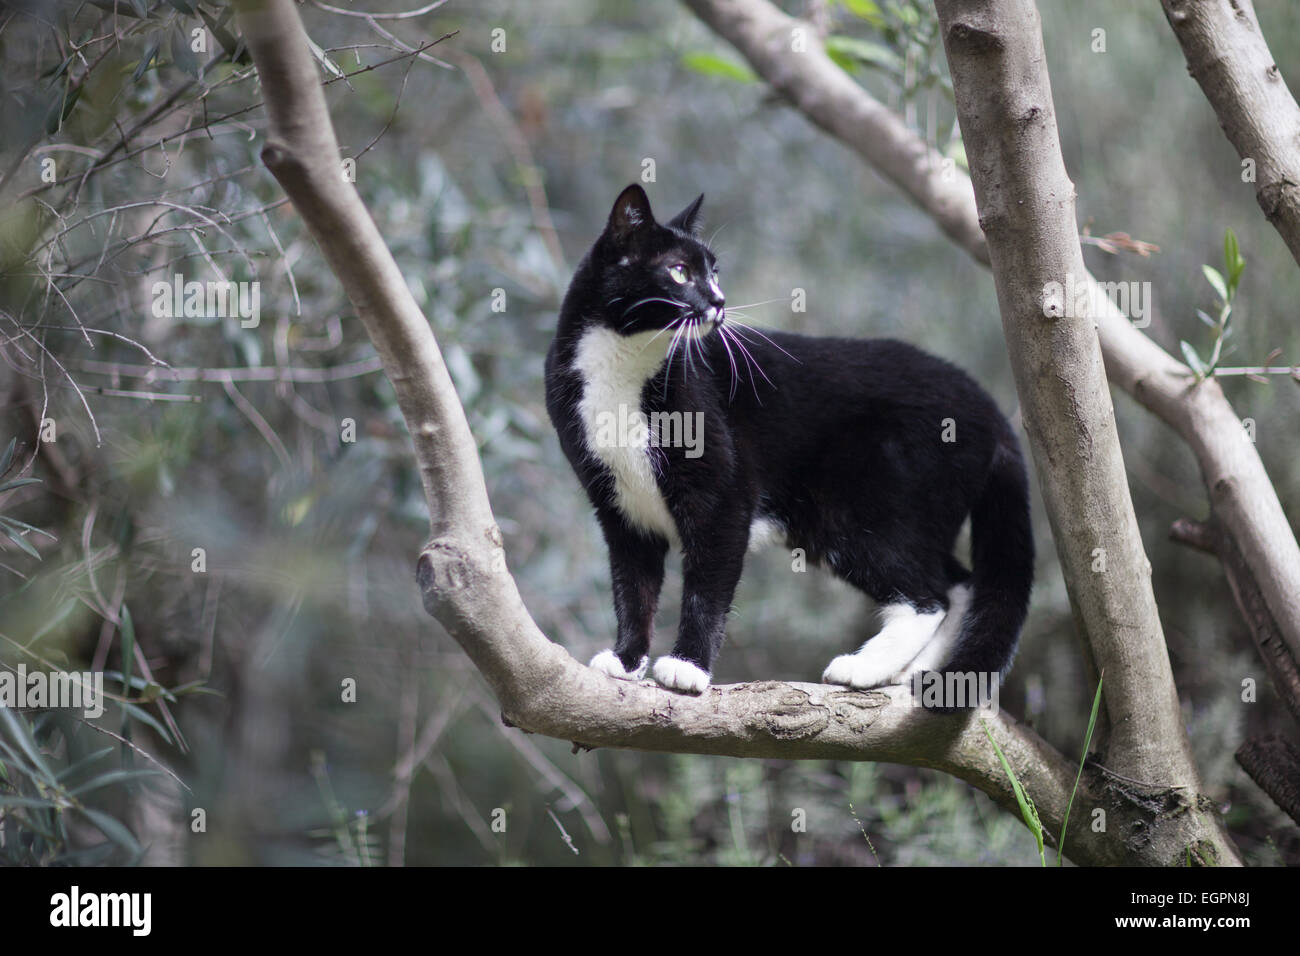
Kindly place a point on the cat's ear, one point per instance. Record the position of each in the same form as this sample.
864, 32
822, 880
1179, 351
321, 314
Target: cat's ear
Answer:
631, 213
688, 218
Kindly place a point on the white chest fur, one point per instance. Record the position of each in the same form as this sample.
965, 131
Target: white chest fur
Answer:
614, 370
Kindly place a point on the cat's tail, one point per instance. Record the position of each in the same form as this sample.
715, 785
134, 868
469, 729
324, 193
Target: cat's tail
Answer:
1002, 555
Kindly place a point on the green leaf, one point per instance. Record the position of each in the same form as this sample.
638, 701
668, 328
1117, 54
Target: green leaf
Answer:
1193, 359
1207, 318
853, 51
7, 458
11, 801
136, 8
142, 715
865, 10
113, 829
84, 763
182, 56
1087, 742
20, 525
22, 736
1216, 280
18, 483
1233, 263
710, 64
60, 109
17, 538
112, 777
127, 629
1027, 809
150, 52
232, 46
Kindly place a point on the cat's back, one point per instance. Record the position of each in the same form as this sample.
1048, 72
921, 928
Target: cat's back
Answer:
885, 372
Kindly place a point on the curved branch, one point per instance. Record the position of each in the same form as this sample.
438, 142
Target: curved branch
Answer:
1228, 56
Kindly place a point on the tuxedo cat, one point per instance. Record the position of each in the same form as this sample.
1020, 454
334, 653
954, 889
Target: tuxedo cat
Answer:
691, 431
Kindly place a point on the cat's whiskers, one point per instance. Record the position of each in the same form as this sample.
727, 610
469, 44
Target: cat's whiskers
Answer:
741, 327
670, 325
755, 305
668, 367
735, 372
647, 301
750, 361
698, 341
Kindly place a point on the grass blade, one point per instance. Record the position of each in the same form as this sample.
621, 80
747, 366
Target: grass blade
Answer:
1087, 742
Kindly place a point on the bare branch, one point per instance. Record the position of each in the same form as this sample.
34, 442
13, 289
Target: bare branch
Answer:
1228, 56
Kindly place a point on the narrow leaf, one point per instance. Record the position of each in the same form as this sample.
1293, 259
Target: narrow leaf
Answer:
1216, 280
710, 64
1193, 359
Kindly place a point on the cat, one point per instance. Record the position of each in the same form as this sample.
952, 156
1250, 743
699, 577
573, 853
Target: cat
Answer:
691, 431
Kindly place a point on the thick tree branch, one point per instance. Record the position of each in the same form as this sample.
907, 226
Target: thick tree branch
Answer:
1282, 670
1026, 205
788, 54
1241, 494
1228, 56
462, 572
1274, 763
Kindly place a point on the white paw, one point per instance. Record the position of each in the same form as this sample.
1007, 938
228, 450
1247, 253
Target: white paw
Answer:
857, 670
677, 674
938, 650
607, 662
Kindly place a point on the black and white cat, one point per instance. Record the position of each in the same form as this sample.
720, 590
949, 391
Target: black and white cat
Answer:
691, 431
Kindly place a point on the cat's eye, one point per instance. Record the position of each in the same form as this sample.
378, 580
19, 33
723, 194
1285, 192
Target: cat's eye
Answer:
678, 272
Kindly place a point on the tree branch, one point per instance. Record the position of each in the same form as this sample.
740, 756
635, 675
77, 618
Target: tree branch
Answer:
1026, 207
1282, 670
1228, 56
1274, 764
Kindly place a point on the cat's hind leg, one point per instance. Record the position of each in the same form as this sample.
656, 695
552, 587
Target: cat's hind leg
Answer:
939, 649
905, 632
913, 602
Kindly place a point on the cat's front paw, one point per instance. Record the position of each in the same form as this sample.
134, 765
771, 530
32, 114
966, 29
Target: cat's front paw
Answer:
855, 670
607, 662
677, 674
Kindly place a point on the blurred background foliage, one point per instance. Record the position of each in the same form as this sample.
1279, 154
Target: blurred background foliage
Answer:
490, 162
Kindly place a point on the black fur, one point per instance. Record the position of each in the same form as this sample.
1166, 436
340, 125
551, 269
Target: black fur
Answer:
838, 440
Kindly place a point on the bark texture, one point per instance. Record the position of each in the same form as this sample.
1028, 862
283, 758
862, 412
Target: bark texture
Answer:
1228, 56
1274, 763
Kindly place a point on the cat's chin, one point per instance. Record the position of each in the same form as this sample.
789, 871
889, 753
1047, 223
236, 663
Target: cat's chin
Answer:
677, 674
607, 662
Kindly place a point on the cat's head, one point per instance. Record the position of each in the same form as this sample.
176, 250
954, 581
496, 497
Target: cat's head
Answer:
649, 276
